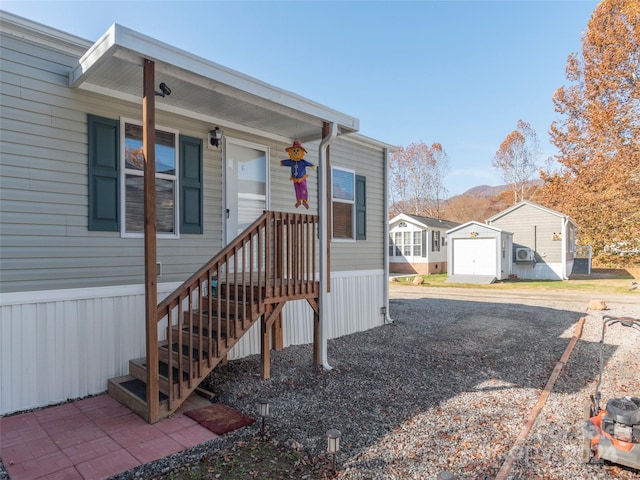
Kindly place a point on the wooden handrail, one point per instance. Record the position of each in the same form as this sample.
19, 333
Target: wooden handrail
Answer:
273, 260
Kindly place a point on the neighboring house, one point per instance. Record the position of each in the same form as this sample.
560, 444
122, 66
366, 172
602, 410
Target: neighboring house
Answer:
418, 244
543, 241
478, 253
78, 290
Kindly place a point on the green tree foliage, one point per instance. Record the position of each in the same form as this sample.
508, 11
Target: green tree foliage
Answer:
597, 181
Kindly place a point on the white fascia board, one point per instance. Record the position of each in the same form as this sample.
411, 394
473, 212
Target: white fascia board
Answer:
408, 218
40, 34
478, 224
97, 54
229, 81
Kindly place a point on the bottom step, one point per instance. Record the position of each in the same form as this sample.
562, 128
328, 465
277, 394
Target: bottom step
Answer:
132, 393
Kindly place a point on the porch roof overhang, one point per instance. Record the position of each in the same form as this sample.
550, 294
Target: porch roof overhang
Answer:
201, 89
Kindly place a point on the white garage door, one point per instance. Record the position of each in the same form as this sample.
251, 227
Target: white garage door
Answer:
474, 256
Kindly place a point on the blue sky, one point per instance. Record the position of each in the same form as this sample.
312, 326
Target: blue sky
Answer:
460, 73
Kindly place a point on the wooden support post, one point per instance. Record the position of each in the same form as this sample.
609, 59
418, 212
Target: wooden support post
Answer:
150, 278
265, 344
276, 332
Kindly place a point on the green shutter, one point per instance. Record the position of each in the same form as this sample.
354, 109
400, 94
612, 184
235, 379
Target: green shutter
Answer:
190, 185
103, 164
361, 207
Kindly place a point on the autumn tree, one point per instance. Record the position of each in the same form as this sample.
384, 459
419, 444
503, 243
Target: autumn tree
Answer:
597, 181
439, 169
417, 179
464, 208
518, 159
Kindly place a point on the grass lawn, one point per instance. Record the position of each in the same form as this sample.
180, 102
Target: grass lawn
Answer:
603, 282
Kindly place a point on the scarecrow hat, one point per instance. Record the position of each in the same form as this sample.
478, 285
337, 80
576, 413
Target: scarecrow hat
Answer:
296, 143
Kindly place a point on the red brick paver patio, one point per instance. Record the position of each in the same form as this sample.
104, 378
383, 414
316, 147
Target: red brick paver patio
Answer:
92, 439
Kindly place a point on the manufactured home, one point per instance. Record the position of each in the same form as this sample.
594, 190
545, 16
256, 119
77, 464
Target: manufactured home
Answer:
544, 240
149, 231
418, 244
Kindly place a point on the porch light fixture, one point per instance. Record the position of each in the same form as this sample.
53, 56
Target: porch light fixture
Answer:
333, 444
165, 91
215, 136
264, 413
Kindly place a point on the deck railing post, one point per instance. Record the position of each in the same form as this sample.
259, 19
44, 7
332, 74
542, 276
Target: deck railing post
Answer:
150, 280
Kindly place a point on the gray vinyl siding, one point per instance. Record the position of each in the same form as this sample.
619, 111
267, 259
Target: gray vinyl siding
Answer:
534, 228
367, 161
44, 238
43, 183
351, 154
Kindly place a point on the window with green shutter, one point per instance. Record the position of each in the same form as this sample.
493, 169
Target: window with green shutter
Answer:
361, 207
116, 179
349, 205
190, 185
103, 174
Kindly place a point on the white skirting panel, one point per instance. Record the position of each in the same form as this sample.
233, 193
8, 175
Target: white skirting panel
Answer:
65, 344
541, 271
356, 299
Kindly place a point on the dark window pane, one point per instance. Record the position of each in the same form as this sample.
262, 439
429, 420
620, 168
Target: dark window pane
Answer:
165, 150
342, 220
134, 198
343, 185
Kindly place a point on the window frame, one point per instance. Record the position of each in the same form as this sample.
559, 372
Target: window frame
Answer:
435, 240
124, 172
351, 202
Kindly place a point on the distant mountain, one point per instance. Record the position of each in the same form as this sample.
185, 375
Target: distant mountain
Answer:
486, 191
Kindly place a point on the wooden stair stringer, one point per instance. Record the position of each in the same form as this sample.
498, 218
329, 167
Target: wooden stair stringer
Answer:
171, 398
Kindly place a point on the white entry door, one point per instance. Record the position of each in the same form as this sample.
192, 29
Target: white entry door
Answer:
474, 256
246, 184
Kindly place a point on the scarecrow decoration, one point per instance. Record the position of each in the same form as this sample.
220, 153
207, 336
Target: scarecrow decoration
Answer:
298, 172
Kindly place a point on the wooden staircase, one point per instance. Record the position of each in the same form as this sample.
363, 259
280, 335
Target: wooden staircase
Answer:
271, 262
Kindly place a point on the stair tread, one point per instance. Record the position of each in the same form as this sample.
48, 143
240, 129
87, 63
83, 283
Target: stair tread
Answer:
136, 387
163, 369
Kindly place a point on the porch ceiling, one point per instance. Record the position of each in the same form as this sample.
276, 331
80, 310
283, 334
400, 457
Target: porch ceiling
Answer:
200, 88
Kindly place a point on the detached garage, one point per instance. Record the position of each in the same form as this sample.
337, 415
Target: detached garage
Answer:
478, 253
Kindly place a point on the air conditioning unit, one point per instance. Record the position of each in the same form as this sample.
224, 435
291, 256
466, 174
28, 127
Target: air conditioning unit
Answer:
524, 254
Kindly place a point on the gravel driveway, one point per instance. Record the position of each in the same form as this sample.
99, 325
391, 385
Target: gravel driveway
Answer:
446, 387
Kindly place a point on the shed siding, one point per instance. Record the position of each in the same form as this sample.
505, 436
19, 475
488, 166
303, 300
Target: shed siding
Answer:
534, 228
